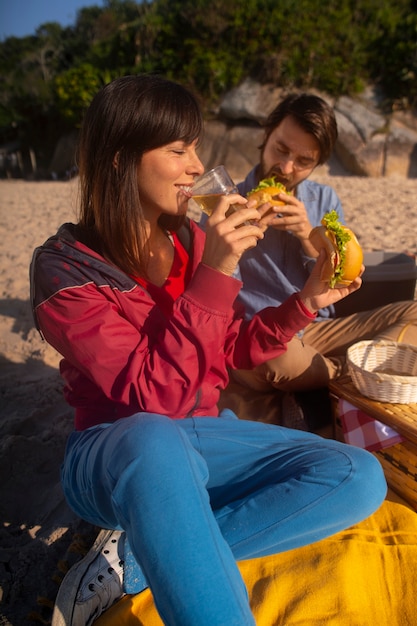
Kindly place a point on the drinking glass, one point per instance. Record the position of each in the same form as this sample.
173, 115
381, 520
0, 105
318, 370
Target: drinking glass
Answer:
210, 186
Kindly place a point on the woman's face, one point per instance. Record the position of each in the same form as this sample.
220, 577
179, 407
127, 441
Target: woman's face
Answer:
165, 178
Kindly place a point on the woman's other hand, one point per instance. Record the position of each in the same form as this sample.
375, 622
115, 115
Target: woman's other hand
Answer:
316, 293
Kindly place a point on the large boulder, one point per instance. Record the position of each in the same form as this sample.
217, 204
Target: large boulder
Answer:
349, 143
358, 156
401, 151
236, 146
367, 122
362, 137
250, 101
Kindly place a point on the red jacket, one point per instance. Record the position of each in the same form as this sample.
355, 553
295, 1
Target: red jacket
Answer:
121, 355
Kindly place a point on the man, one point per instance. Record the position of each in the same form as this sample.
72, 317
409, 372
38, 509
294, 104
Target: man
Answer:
300, 134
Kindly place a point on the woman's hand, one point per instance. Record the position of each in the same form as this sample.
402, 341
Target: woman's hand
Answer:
316, 294
230, 231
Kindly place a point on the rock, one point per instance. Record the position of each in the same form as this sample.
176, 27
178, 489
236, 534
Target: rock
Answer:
366, 121
250, 101
236, 146
401, 152
349, 143
359, 157
371, 158
362, 137
408, 119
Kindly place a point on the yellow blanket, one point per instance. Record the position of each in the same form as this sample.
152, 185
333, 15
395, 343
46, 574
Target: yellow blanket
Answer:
364, 576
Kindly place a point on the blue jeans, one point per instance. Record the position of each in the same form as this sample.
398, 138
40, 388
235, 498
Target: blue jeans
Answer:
196, 495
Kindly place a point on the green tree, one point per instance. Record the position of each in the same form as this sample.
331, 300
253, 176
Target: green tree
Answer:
75, 89
394, 61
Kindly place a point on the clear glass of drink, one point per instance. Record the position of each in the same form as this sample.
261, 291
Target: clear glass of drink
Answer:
210, 186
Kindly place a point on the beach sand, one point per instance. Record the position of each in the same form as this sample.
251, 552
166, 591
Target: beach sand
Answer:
37, 528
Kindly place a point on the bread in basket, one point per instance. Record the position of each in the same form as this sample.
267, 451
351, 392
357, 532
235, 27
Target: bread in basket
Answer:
384, 370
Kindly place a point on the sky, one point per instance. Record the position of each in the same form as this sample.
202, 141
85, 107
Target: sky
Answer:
19, 18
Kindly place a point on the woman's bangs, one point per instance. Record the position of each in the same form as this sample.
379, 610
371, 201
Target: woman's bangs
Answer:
191, 123
182, 119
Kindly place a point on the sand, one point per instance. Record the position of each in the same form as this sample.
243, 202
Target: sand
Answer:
37, 527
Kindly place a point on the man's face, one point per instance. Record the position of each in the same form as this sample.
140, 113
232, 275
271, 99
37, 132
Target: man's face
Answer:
290, 154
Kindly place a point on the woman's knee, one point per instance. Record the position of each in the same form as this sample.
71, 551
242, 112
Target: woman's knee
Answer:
109, 448
368, 483
146, 440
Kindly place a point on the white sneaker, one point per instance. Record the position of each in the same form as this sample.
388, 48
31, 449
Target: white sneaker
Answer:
93, 584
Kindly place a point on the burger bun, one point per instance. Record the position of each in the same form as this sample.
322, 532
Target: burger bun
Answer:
321, 238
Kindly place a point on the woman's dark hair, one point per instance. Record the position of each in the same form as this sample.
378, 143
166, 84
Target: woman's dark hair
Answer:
128, 117
312, 114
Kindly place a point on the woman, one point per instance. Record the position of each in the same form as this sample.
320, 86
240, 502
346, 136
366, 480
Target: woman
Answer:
140, 303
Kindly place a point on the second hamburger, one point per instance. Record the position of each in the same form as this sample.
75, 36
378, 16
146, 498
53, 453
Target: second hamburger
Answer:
344, 253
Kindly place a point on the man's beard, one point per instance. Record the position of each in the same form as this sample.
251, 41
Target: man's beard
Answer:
287, 181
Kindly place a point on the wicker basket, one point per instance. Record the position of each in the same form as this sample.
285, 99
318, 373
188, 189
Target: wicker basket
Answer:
384, 370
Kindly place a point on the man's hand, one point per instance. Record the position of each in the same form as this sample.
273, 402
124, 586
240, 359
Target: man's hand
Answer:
292, 216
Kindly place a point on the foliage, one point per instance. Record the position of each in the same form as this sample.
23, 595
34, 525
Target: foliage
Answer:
211, 46
75, 89
395, 59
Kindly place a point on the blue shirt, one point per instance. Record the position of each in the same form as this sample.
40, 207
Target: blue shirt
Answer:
277, 267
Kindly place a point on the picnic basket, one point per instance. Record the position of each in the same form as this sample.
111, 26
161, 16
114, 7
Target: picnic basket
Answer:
384, 370
398, 461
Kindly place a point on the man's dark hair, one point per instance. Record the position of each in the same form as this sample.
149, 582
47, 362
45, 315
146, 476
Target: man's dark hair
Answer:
312, 114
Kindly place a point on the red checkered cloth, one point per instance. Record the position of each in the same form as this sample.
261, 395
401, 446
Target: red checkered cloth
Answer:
363, 431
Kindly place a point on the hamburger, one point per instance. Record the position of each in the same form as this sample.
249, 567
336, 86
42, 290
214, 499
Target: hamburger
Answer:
344, 253
267, 191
